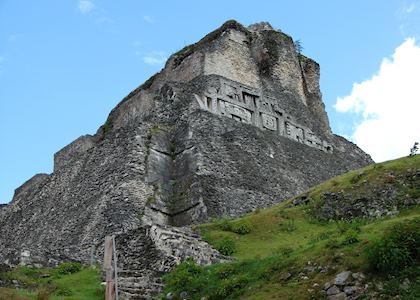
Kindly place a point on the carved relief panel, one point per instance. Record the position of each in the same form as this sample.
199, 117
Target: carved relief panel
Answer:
245, 105
269, 122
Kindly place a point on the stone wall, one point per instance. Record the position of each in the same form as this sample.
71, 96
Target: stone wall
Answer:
231, 58
30, 185
72, 151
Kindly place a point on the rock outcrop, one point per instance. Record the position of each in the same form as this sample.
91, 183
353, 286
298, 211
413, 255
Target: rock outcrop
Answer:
232, 123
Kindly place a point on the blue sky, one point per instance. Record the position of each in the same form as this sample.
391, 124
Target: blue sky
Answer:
65, 64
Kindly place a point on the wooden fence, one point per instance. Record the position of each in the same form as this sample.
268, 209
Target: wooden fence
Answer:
110, 267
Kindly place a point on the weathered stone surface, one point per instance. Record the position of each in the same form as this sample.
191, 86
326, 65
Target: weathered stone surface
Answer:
333, 290
232, 123
339, 296
342, 278
73, 151
373, 201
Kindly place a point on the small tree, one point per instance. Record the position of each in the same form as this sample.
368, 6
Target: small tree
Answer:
413, 151
298, 46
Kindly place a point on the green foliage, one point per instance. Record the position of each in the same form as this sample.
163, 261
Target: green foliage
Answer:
64, 291
69, 268
154, 129
183, 276
357, 177
108, 124
298, 46
321, 237
148, 83
284, 251
67, 281
351, 237
223, 281
225, 271
150, 200
387, 256
224, 224
241, 227
226, 246
397, 249
332, 244
232, 286
288, 226
413, 151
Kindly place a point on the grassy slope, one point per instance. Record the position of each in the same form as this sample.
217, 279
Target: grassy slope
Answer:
84, 284
283, 239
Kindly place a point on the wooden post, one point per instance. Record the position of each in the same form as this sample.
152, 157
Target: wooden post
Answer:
110, 287
115, 267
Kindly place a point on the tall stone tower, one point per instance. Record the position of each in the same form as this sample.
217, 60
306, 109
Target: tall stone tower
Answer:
232, 123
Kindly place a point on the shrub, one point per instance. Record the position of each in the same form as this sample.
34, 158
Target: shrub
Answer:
397, 249
231, 286
350, 237
386, 255
63, 291
226, 246
241, 228
69, 268
107, 125
225, 271
224, 224
183, 275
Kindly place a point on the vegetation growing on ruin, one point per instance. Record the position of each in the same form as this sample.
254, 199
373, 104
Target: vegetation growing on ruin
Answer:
107, 127
190, 49
288, 253
270, 54
68, 281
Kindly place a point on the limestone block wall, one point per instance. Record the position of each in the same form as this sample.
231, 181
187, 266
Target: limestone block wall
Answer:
286, 70
71, 151
35, 182
231, 57
251, 106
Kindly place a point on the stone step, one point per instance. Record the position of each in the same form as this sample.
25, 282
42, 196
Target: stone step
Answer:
129, 296
124, 285
139, 279
138, 291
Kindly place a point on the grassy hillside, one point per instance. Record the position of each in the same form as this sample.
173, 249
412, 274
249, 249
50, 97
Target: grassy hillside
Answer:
68, 281
291, 250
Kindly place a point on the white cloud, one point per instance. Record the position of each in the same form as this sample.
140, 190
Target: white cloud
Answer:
148, 19
155, 58
388, 104
86, 6
410, 8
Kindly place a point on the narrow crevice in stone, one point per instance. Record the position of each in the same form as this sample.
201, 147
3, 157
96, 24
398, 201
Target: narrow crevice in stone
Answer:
175, 213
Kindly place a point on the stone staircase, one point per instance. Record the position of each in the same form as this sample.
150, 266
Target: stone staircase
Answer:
147, 252
138, 284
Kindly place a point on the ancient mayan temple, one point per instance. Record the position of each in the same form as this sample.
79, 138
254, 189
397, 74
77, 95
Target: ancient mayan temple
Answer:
232, 123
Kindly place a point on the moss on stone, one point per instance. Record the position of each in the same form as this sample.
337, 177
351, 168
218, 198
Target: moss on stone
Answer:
108, 124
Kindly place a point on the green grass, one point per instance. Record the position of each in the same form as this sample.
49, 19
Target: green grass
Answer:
83, 284
283, 239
